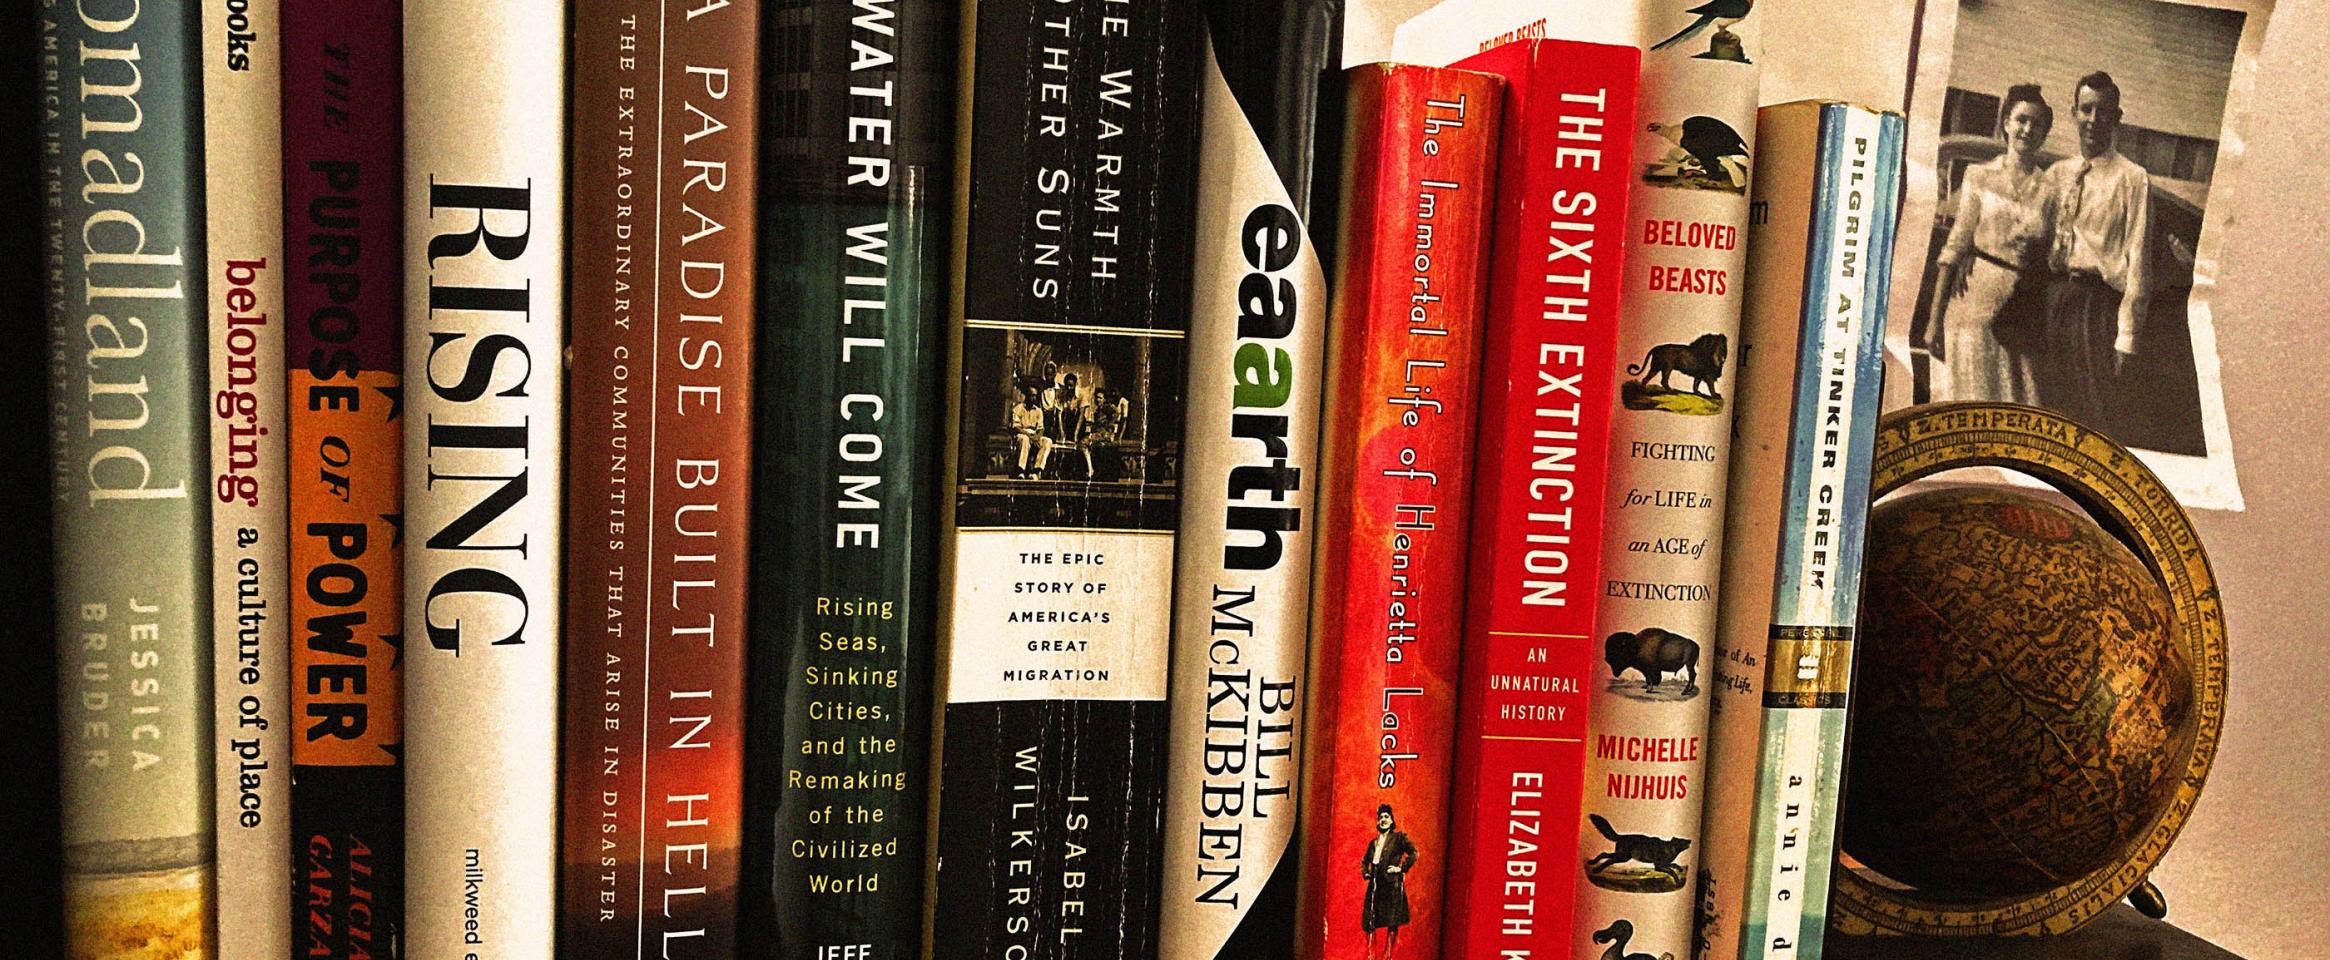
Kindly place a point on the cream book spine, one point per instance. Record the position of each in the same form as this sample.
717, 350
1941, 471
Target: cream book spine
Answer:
485, 168
242, 164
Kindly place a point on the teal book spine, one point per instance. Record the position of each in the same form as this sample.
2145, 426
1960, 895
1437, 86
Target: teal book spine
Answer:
857, 119
121, 211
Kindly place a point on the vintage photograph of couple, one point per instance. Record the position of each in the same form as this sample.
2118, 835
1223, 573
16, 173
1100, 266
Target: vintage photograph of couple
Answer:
2064, 156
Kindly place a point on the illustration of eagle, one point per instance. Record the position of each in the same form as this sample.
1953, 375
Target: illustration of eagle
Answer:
1709, 141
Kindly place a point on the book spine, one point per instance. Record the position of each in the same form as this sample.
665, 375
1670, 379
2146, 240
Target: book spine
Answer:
1787, 151
1078, 176
343, 290
1812, 379
849, 439
1662, 536
661, 226
1664, 504
1395, 462
1546, 389
485, 202
1257, 353
250, 680
123, 222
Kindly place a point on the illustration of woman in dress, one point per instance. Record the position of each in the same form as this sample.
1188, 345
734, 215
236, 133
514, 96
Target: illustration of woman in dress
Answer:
1994, 264
1390, 856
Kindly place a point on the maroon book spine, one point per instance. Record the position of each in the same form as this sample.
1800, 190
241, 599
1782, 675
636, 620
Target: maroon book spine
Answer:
343, 156
659, 452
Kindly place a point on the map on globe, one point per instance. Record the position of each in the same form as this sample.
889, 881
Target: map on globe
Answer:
2041, 687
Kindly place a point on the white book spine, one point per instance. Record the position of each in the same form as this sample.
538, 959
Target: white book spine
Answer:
1242, 588
1662, 539
485, 167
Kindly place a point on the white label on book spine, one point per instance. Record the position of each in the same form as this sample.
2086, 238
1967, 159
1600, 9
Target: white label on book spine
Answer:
1060, 615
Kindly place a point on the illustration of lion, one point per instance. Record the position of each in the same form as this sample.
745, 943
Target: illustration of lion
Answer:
1701, 360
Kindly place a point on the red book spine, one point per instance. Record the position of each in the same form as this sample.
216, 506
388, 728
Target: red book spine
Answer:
661, 240
1546, 390
1396, 458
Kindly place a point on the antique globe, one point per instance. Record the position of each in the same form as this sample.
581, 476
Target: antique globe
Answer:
2021, 704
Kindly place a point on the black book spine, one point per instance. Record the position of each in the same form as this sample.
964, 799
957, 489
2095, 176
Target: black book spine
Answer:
857, 141
1077, 194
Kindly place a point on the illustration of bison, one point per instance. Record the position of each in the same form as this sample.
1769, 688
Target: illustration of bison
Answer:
1654, 653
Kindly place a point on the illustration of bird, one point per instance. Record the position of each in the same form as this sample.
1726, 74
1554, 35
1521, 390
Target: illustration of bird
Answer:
1710, 142
1722, 13
1617, 935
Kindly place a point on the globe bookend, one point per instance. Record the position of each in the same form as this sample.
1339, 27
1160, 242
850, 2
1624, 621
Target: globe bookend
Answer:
2040, 691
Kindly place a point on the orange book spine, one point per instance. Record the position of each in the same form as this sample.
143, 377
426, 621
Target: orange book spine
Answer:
658, 461
1403, 364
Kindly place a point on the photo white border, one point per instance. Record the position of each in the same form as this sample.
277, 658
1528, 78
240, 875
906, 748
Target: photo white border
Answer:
2204, 482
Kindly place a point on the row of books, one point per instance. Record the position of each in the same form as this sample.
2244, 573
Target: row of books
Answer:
872, 479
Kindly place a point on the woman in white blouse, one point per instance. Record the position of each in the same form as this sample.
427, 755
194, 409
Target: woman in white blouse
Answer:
1994, 264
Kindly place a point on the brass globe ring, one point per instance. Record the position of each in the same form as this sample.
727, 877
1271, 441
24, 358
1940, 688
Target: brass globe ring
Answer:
2119, 491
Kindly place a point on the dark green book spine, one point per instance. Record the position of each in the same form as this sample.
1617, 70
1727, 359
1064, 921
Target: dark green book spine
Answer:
122, 210
857, 145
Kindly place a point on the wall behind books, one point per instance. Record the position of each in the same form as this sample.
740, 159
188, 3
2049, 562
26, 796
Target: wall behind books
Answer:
2243, 873
2246, 873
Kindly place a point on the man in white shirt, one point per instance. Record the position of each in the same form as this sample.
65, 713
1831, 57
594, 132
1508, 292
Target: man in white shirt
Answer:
2101, 254
1027, 432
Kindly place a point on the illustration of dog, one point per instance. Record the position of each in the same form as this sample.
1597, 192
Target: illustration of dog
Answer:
1654, 653
1701, 360
1658, 853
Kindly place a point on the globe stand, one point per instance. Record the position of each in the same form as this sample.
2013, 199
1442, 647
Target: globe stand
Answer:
2148, 900
2116, 489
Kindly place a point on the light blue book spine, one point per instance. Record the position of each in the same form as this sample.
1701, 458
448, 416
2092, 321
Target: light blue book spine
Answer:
1817, 580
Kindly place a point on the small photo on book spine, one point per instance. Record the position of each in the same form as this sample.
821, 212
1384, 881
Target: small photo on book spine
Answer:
2062, 162
1070, 420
